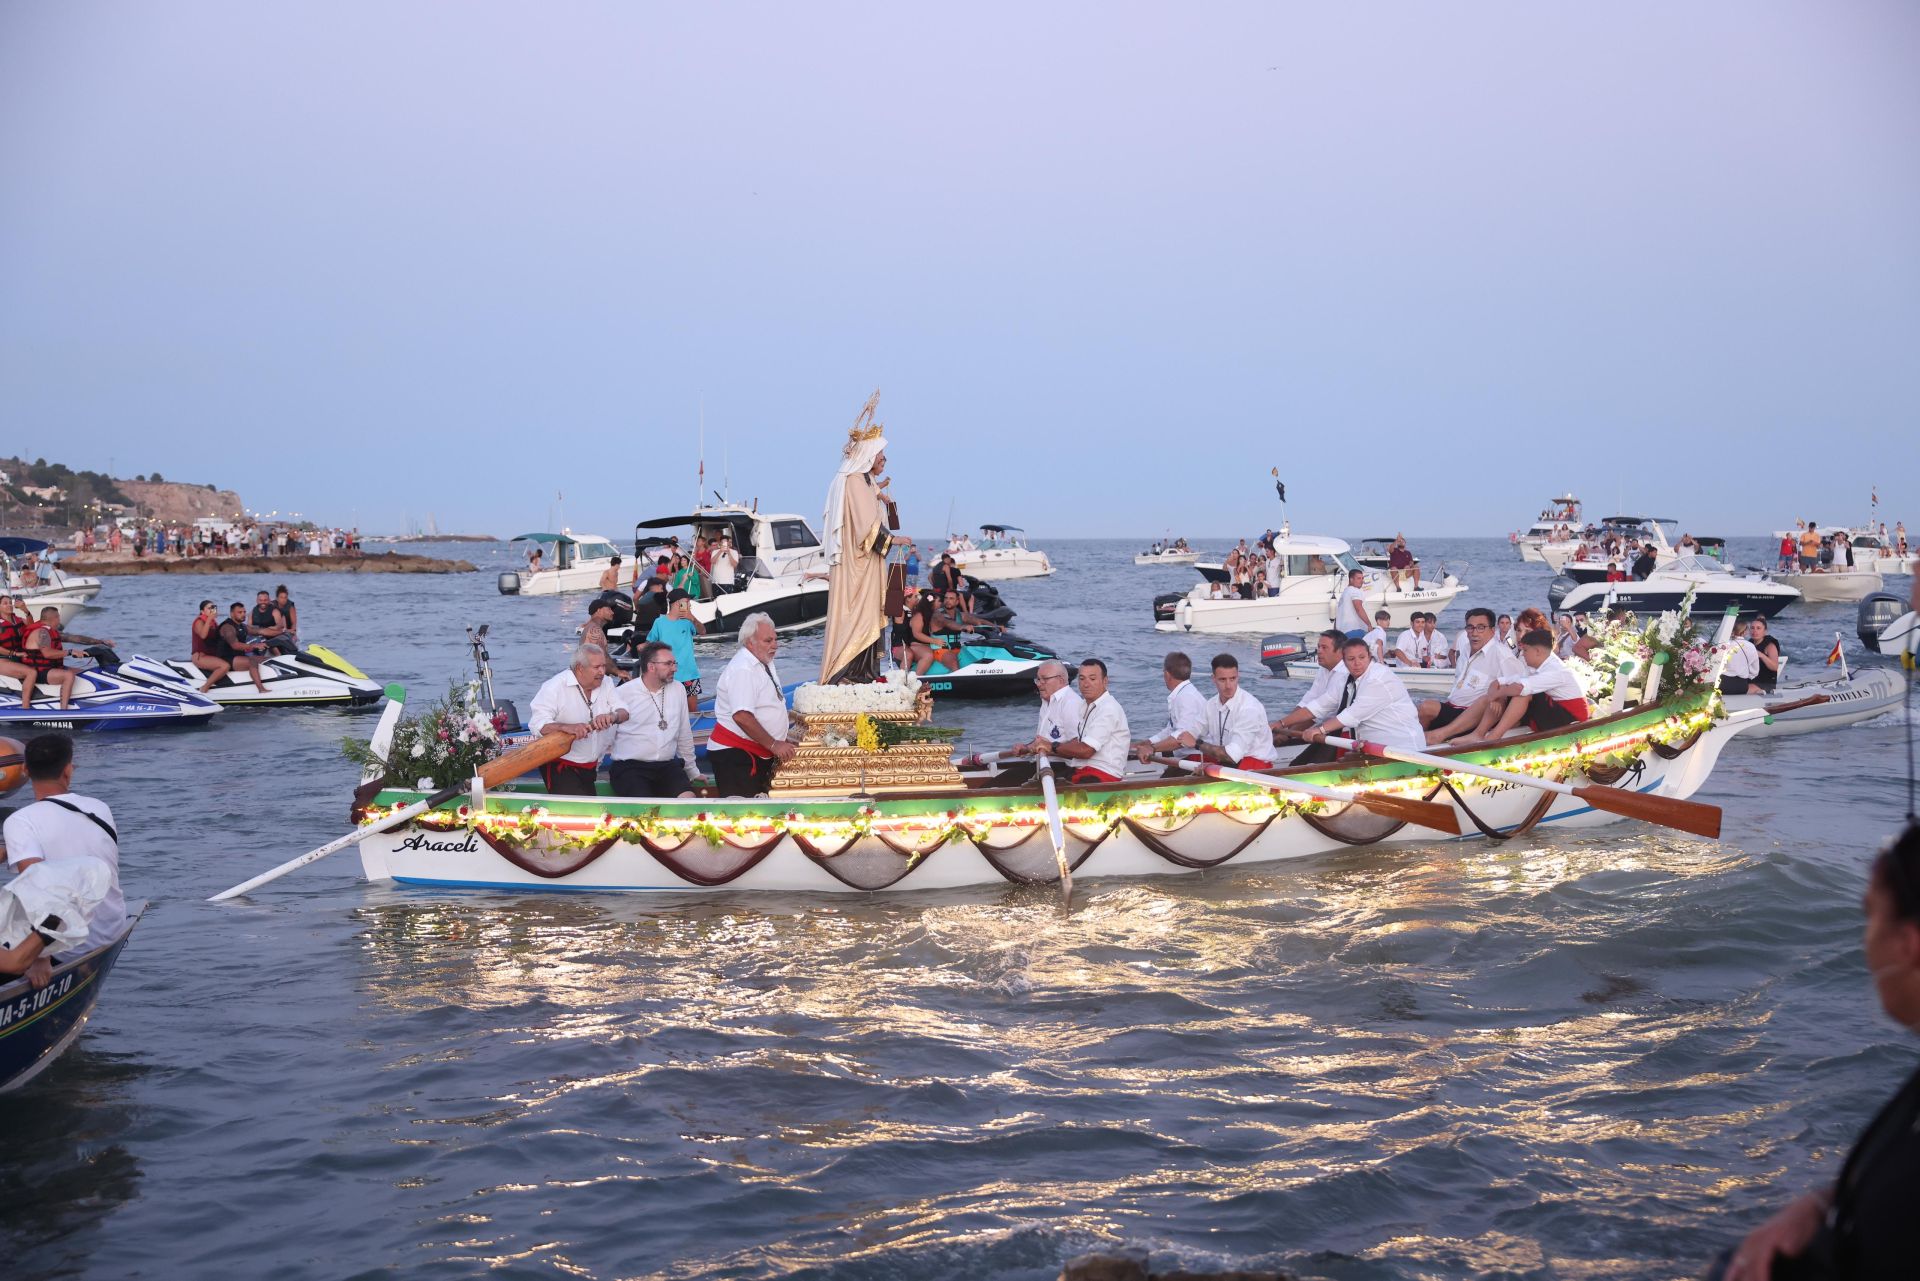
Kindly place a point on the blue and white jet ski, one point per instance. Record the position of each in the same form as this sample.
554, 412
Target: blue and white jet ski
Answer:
314, 677
102, 700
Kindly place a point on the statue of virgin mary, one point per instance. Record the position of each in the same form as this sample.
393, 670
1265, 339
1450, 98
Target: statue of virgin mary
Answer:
858, 531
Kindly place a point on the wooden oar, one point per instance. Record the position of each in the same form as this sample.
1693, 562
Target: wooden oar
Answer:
528, 756
1057, 831
1441, 818
1778, 708
1688, 816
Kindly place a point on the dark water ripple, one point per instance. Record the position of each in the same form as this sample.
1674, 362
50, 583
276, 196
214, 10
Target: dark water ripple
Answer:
1575, 1055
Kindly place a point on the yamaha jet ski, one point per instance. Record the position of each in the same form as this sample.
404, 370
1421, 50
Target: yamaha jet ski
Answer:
314, 677
102, 700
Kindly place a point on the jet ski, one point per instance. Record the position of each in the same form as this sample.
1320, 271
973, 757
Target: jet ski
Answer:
992, 665
102, 700
314, 677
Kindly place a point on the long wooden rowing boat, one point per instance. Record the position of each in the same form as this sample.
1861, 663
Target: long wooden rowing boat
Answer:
519, 837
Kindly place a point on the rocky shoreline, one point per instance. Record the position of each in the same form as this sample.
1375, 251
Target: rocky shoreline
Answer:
385, 563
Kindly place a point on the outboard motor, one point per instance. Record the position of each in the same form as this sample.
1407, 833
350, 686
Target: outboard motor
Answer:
1164, 605
1875, 612
1559, 589
509, 583
622, 607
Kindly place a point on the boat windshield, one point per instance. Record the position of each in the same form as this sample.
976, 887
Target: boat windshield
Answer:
1695, 565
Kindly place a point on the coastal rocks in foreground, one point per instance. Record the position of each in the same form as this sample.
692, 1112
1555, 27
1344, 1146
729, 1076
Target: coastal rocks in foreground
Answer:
1131, 1265
388, 563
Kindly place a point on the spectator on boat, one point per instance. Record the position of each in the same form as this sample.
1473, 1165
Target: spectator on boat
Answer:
1644, 563
1614, 573
749, 738
600, 616
1862, 1223
912, 565
1788, 550
62, 826
725, 564
1186, 710
1060, 712
1377, 638
1809, 548
945, 575
653, 747
1371, 705
580, 704
1825, 558
703, 556
610, 576
533, 557
954, 617
1743, 661
232, 645
1567, 638
924, 645
1900, 537
1276, 572
1327, 674
289, 614
1216, 590
1687, 546
677, 630
1238, 732
1483, 664
1101, 737
1400, 563
267, 625
13, 647
687, 578
1767, 647
1350, 612
1542, 693
42, 651
1503, 632
1414, 648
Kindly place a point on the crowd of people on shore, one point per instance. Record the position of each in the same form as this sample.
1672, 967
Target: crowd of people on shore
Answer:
236, 538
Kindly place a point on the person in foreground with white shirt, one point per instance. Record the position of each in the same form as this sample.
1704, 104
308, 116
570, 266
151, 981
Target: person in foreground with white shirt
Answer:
1238, 733
749, 738
1543, 694
1100, 740
1186, 710
581, 704
61, 825
1484, 663
1372, 705
653, 747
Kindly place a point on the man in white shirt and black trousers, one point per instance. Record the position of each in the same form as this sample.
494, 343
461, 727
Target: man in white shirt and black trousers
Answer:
581, 704
61, 825
1186, 710
1327, 674
749, 715
1371, 705
653, 747
1060, 713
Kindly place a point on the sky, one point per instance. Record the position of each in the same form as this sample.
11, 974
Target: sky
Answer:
1107, 263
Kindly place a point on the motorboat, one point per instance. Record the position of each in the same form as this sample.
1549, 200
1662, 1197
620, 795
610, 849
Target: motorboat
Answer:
1820, 586
782, 571
1711, 586
1001, 553
1886, 624
1316, 573
33, 600
314, 677
1174, 553
1804, 706
48, 571
573, 563
1878, 555
103, 700
1631, 532
37, 1026
1559, 523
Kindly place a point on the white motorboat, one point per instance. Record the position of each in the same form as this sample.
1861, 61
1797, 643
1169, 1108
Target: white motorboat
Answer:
315, 677
1712, 586
50, 577
1559, 523
1174, 553
1804, 706
1876, 555
782, 571
570, 562
1001, 553
1632, 532
35, 599
1825, 585
1316, 572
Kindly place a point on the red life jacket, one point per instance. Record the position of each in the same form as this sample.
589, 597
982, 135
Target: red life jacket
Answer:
12, 635
43, 660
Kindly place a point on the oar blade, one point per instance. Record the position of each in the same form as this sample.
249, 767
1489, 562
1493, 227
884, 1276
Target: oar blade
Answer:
1687, 816
1441, 818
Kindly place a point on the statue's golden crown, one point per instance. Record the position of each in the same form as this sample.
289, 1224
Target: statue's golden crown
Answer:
866, 427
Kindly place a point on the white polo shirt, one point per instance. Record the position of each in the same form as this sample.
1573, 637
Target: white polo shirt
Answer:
748, 685
1239, 727
1060, 716
642, 738
1103, 727
44, 830
1186, 712
1380, 712
561, 699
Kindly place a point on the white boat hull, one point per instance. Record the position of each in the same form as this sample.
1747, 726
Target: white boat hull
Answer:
462, 858
68, 603
1303, 605
1860, 696
1835, 585
1004, 562
1166, 558
584, 577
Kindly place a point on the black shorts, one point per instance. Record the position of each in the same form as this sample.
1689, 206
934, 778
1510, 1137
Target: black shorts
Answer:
1448, 715
649, 778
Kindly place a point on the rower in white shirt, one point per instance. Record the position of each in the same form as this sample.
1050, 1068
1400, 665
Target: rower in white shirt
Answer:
1372, 705
1060, 710
1186, 710
1743, 661
1541, 691
1327, 674
580, 703
1238, 733
653, 747
1484, 662
1101, 738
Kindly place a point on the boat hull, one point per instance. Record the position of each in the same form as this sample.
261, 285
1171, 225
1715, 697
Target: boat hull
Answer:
1304, 605
1836, 585
1166, 558
1643, 598
1861, 696
36, 1028
987, 837
1004, 562
102, 701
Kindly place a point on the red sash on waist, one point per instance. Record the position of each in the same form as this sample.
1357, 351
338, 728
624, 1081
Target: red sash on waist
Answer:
724, 737
1088, 774
1574, 707
1254, 762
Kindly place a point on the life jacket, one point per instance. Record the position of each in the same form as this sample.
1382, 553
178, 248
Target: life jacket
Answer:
217, 641
13, 636
43, 660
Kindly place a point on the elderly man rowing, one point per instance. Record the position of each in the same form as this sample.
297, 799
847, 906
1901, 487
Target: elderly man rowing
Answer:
581, 704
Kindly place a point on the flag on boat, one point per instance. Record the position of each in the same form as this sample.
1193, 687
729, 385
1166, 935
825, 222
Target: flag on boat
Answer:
1278, 486
1836, 655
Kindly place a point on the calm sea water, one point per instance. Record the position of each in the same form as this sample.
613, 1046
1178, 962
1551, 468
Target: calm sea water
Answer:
1574, 1055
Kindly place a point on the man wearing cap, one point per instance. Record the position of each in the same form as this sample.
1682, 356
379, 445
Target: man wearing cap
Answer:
677, 630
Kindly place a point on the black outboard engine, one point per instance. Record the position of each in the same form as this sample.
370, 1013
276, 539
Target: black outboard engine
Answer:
1875, 612
1164, 605
509, 583
622, 607
1559, 589
987, 602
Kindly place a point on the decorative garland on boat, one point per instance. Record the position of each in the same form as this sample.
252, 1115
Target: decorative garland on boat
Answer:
916, 836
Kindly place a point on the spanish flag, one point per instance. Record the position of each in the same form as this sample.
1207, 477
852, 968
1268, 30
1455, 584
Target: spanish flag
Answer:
1835, 656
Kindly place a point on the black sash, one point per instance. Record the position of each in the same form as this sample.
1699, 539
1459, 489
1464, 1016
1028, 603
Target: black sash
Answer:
91, 817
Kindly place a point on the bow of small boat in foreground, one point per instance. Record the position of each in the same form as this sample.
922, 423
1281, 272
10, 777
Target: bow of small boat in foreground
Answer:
37, 1027
523, 838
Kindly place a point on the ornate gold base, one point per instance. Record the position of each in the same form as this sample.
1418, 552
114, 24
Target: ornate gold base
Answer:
821, 770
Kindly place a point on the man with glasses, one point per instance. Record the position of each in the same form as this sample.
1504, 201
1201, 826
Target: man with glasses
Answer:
1483, 665
653, 746
1060, 713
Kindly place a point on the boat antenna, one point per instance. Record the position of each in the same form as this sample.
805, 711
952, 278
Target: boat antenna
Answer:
700, 481
1280, 487
726, 466
948, 531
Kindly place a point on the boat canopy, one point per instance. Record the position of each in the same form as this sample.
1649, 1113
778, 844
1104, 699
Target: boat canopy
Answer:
1638, 520
1001, 529
21, 546
543, 538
